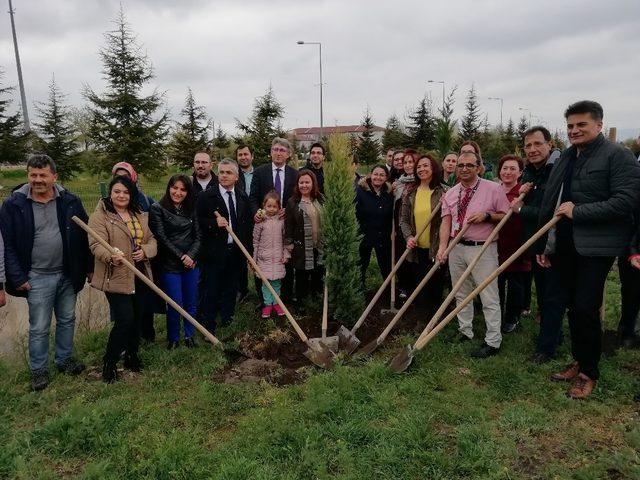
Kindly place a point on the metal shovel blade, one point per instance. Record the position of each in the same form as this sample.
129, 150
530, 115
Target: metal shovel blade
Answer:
320, 355
347, 341
368, 349
330, 342
402, 360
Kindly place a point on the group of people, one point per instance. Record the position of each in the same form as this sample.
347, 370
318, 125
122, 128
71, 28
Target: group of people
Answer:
276, 211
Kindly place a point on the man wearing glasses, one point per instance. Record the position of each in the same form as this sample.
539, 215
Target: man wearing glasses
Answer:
538, 148
278, 176
481, 203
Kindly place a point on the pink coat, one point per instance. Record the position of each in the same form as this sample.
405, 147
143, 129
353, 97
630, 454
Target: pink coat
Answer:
268, 247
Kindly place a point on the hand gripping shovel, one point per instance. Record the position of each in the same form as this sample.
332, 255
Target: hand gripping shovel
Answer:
149, 283
330, 342
403, 359
347, 338
318, 354
372, 346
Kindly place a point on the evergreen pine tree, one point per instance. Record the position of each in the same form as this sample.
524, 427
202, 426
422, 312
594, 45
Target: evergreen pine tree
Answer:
57, 135
340, 233
13, 141
523, 125
394, 134
369, 146
127, 126
263, 126
190, 136
446, 125
222, 140
509, 137
422, 126
470, 124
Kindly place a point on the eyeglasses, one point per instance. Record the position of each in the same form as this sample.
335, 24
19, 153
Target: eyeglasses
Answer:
467, 166
529, 146
279, 149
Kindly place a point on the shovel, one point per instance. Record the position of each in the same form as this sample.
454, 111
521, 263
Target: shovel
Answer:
330, 342
372, 346
392, 300
403, 359
149, 283
347, 338
318, 354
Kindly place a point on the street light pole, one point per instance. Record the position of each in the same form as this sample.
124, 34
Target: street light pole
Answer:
442, 82
301, 42
501, 105
23, 96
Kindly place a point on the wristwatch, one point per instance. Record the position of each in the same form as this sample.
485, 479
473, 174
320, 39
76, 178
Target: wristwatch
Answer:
487, 217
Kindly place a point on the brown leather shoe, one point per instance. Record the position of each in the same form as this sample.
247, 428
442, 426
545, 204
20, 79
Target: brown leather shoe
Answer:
582, 387
569, 373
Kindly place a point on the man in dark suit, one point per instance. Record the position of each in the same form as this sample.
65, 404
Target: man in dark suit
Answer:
282, 178
203, 177
221, 257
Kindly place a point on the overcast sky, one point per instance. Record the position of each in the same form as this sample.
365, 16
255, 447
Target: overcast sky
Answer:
538, 55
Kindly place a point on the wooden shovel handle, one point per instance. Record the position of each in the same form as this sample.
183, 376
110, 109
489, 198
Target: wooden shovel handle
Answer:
421, 285
468, 270
325, 305
422, 341
265, 281
394, 270
392, 299
148, 282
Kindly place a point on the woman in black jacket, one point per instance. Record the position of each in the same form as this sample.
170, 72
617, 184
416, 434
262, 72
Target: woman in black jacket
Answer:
374, 210
177, 231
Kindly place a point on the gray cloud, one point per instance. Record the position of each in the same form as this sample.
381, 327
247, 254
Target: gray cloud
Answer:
536, 55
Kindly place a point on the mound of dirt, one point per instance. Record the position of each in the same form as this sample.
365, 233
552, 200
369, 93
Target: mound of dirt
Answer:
254, 370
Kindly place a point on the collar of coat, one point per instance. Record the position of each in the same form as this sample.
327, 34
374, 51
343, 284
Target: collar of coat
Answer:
365, 184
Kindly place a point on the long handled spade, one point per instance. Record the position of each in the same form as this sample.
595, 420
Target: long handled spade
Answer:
347, 338
318, 353
454, 290
331, 342
372, 346
392, 300
403, 359
149, 283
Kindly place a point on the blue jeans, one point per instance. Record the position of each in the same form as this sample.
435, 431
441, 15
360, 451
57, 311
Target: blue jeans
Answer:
50, 293
183, 289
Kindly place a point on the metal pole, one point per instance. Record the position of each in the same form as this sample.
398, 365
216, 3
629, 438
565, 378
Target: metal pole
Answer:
443, 97
23, 96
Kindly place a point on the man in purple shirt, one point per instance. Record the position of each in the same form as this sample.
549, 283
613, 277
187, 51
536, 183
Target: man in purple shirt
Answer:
482, 204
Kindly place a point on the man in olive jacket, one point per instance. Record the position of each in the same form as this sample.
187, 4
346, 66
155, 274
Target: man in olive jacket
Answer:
595, 188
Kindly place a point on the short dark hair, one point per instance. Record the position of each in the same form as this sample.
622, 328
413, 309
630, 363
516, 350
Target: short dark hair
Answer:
134, 205
189, 200
585, 106
240, 147
436, 172
41, 160
537, 128
506, 158
318, 145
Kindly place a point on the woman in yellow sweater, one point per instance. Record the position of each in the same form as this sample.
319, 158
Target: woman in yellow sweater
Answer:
418, 204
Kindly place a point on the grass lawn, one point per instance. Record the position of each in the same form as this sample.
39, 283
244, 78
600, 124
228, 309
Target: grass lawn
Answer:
448, 417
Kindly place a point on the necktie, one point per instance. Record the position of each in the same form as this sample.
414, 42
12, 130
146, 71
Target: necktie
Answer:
462, 208
278, 183
232, 211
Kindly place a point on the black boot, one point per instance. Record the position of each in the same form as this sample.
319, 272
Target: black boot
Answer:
132, 362
109, 372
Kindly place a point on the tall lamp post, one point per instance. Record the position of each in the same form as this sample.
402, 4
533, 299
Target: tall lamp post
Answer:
302, 42
501, 105
23, 96
442, 82
526, 110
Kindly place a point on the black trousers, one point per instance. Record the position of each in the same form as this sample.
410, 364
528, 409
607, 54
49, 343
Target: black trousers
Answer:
527, 283
582, 279
309, 282
219, 287
383, 255
552, 307
630, 293
430, 298
126, 311
511, 289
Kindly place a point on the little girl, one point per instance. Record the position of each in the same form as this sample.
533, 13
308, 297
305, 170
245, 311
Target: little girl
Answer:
269, 251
